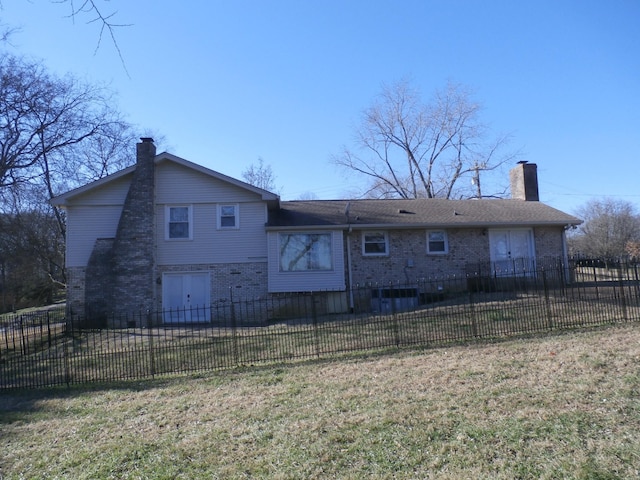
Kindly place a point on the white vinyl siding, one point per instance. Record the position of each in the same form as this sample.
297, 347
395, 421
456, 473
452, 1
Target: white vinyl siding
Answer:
113, 193
307, 280
213, 245
85, 224
92, 216
176, 184
247, 242
96, 213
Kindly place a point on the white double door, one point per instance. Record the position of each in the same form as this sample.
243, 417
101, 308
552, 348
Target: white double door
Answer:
512, 252
186, 297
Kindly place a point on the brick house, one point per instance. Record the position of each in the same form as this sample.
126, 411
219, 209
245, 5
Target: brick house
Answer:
168, 233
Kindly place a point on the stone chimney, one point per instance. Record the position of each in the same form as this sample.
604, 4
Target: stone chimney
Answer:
524, 182
134, 245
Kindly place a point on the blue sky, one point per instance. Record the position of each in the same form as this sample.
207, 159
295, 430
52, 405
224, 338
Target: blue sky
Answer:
228, 82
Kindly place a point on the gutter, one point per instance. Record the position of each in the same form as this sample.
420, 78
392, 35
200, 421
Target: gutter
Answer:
413, 226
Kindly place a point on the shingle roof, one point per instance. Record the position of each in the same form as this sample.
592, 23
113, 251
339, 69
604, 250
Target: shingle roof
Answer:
417, 213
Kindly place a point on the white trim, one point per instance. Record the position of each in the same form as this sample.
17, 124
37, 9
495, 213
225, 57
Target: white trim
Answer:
385, 234
236, 216
310, 270
445, 239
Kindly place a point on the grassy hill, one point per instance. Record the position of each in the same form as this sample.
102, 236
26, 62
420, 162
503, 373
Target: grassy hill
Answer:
557, 406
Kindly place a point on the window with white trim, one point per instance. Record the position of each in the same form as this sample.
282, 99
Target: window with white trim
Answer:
179, 223
228, 216
304, 252
437, 242
375, 243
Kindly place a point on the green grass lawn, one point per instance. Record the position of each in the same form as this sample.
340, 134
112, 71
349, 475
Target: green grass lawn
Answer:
558, 406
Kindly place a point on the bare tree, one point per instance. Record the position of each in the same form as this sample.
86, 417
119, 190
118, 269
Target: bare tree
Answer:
308, 195
42, 115
411, 149
260, 176
105, 21
93, 12
611, 229
31, 258
56, 134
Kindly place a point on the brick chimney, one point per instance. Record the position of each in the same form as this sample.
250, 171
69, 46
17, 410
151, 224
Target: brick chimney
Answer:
524, 182
134, 245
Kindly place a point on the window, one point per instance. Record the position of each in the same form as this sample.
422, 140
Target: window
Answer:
227, 216
178, 223
437, 242
375, 243
300, 252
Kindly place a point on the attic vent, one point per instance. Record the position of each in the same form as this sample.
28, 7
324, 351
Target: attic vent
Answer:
402, 210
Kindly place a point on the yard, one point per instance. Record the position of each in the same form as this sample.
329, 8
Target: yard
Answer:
565, 405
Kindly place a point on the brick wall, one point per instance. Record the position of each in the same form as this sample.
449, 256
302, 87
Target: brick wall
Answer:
98, 293
408, 261
75, 290
246, 281
549, 244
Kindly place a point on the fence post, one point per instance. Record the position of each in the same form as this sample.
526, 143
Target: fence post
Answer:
547, 301
623, 300
234, 327
637, 281
314, 317
394, 312
152, 360
49, 341
65, 356
595, 280
474, 321
23, 338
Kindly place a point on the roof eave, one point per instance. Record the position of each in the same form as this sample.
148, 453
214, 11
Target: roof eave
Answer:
409, 226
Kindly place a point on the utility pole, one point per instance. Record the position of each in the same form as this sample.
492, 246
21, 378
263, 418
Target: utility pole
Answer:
476, 181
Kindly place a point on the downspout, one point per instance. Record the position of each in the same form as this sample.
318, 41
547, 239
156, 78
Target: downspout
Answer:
349, 273
565, 255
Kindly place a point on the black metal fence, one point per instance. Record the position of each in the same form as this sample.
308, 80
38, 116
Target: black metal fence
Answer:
47, 348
